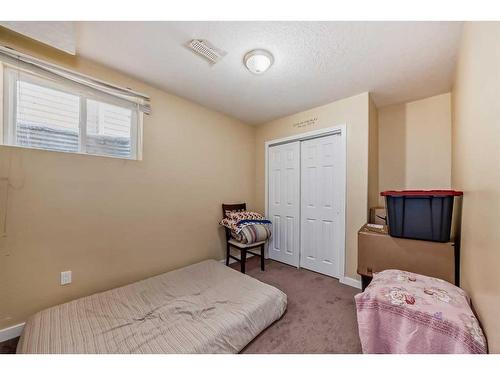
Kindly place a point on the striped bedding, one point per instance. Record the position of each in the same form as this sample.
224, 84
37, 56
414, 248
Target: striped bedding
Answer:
252, 233
203, 308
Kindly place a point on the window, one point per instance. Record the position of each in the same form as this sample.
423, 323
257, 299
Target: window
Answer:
45, 113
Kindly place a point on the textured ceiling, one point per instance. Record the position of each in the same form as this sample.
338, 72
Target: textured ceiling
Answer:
60, 35
315, 62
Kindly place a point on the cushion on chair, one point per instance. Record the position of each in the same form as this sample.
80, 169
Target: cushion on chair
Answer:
244, 215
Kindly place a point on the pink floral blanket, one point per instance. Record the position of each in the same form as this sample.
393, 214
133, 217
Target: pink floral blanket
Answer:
403, 312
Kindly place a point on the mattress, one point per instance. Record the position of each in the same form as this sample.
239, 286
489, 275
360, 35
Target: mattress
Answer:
203, 308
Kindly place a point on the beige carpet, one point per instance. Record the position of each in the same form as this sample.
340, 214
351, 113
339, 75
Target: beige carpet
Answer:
320, 318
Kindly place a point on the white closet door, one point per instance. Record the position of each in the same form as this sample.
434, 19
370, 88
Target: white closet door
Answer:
321, 204
284, 202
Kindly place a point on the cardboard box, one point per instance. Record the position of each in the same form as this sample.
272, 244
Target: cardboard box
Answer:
378, 215
377, 251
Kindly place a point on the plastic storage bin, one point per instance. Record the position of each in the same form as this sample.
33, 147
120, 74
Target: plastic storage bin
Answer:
420, 214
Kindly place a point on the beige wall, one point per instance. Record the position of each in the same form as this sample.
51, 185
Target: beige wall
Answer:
415, 144
392, 147
353, 112
373, 161
114, 221
476, 169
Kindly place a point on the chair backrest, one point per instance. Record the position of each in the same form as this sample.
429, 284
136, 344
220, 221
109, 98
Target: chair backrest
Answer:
232, 207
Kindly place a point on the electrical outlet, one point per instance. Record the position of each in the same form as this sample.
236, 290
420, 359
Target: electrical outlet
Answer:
65, 277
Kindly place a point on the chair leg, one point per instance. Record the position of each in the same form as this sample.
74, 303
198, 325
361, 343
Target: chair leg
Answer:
262, 257
243, 260
228, 251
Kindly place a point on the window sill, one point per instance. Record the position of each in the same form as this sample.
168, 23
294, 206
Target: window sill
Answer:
68, 152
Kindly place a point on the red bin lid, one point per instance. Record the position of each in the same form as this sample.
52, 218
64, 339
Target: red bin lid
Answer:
416, 193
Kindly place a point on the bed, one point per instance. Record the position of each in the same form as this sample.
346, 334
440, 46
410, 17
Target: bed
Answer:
203, 308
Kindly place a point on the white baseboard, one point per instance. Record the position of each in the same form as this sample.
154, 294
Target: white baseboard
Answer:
11, 332
351, 282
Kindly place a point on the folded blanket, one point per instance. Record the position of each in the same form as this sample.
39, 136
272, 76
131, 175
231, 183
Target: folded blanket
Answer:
245, 223
252, 233
235, 224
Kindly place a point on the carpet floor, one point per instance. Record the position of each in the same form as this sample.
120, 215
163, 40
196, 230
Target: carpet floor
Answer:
320, 317
9, 346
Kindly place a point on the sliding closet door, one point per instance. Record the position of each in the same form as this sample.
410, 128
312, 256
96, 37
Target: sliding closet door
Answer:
283, 202
322, 204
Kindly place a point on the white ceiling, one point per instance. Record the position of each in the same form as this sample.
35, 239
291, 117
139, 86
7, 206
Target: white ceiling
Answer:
60, 35
315, 62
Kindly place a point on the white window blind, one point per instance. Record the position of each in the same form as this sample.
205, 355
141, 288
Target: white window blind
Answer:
46, 118
109, 129
59, 116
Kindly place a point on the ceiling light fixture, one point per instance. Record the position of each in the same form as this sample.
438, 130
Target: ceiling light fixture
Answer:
258, 61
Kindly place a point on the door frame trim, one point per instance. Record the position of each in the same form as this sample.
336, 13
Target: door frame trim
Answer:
342, 129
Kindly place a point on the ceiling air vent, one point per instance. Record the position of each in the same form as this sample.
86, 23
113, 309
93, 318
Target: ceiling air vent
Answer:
206, 50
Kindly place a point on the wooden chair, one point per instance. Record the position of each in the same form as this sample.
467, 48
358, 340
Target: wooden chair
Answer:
242, 247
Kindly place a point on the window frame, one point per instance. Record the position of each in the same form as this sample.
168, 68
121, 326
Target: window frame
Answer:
9, 76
